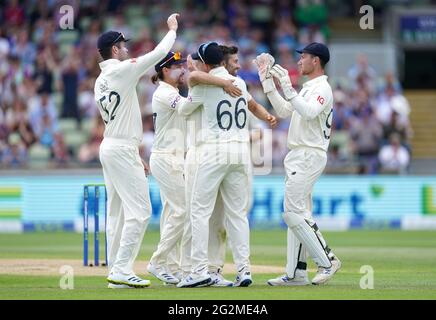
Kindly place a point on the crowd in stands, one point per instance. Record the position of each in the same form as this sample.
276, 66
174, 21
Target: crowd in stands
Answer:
47, 76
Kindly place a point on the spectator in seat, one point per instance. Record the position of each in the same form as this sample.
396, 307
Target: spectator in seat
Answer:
394, 158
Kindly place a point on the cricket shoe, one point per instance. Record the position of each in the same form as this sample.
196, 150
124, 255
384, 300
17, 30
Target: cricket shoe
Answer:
162, 274
131, 280
195, 281
243, 279
299, 280
325, 274
219, 280
178, 275
119, 286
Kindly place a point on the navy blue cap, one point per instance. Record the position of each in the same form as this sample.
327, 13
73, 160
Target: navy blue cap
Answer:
209, 53
109, 38
317, 49
170, 59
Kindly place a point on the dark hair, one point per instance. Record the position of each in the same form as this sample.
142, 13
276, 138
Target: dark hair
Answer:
227, 51
106, 53
322, 63
157, 76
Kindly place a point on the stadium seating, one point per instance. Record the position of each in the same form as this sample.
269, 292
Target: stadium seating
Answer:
39, 156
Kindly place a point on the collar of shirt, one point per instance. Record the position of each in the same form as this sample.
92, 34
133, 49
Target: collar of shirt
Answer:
218, 70
108, 62
167, 85
315, 81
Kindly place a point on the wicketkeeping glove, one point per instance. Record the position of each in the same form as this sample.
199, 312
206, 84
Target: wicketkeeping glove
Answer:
281, 74
264, 62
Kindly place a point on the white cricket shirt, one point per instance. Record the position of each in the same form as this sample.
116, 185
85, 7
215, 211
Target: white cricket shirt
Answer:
169, 126
223, 117
115, 92
311, 123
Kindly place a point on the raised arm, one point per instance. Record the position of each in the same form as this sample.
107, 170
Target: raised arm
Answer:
192, 102
281, 106
308, 110
199, 77
142, 64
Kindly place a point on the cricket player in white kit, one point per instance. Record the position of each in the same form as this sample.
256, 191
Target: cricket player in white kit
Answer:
167, 160
167, 163
217, 223
222, 149
129, 206
311, 113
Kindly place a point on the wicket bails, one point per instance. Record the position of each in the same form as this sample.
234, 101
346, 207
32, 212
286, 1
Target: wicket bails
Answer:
86, 207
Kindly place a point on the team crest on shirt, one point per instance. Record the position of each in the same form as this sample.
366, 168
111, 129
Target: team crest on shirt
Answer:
104, 86
175, 101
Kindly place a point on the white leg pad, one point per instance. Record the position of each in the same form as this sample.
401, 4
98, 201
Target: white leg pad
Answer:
296, 255
304, 232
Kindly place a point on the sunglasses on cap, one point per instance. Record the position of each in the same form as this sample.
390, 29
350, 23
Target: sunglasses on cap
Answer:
120, 38
202, 49
176, 56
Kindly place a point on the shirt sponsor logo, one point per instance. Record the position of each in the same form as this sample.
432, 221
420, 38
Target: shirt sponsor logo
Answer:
320, 100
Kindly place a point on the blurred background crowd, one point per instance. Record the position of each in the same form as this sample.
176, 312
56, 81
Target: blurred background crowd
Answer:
48, 117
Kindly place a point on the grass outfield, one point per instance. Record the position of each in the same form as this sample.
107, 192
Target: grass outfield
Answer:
403, 264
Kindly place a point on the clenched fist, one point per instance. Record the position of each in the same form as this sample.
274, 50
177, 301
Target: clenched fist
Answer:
172, 22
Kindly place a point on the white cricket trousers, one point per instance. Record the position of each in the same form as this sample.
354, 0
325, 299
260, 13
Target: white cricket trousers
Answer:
222, 168
303, 166
128, 207
218, 227
186, 243
168, 170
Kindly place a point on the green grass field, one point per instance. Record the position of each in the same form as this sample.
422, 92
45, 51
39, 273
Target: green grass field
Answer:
403, 264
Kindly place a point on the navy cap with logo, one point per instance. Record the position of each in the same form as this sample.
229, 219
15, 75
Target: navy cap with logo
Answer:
170, 59
317, 49
209, 53
110, 38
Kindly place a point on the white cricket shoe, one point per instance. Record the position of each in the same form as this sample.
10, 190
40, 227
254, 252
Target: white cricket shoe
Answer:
243, 279
119, 286
219, 280
325, 274
195, 281
130, 280
298, 280
163, 275
178, 275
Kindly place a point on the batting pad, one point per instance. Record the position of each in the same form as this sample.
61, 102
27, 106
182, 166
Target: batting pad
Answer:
304, 232
296, 255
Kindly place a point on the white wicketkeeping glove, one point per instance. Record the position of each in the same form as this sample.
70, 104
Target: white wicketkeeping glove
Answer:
264, 62
281, 74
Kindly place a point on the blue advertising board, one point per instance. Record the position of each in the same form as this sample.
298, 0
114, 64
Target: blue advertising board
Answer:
339, 202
